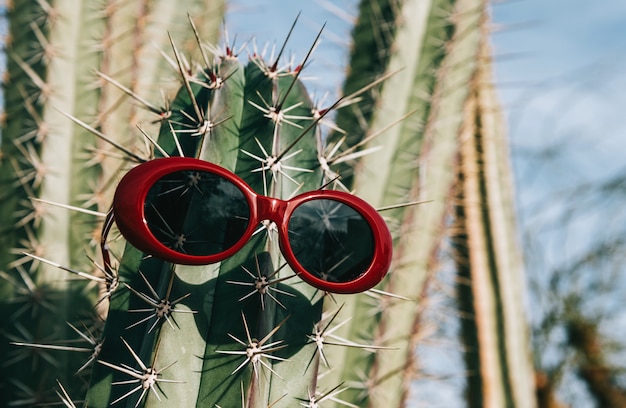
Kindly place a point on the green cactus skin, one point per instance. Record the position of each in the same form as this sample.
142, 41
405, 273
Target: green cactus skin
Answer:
311, 349
54, 51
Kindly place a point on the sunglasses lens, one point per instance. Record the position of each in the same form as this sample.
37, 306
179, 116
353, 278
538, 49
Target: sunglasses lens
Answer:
196, 212
331, 240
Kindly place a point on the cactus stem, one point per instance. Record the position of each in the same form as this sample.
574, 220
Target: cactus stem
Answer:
245, 405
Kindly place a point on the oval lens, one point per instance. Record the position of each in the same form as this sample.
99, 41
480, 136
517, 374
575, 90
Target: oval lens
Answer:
331, 240
196, 212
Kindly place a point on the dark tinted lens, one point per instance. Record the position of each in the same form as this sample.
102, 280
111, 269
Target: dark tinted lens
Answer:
196, 213
331, 240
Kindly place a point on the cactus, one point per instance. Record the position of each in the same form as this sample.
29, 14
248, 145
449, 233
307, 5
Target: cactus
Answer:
488, 256
54, 51
245, 331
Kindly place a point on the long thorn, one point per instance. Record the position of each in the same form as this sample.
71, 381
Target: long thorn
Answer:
154, 109
186, 83
56, 265
70, 207
205, 58
401, 205
102, 136
151, 140
282, 48
372, 136
306, 58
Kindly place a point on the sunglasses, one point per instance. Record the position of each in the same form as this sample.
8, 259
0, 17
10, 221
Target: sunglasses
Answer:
188, 211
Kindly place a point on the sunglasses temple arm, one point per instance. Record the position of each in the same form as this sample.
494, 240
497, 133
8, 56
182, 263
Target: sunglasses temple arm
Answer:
104, 247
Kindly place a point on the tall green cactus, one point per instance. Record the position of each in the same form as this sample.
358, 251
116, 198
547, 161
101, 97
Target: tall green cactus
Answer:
245, 331
55, 50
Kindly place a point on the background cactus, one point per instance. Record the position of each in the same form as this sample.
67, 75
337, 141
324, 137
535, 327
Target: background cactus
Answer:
55, 51
398, 145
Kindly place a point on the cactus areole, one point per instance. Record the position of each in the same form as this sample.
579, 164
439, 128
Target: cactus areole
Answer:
192, 212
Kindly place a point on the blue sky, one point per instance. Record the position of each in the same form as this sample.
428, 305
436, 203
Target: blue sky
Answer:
564, 94
561, 34
567, 86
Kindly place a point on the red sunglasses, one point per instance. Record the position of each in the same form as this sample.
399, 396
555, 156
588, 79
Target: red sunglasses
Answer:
188, 211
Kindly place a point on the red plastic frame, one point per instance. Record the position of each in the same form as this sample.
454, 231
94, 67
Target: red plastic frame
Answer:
128, 211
